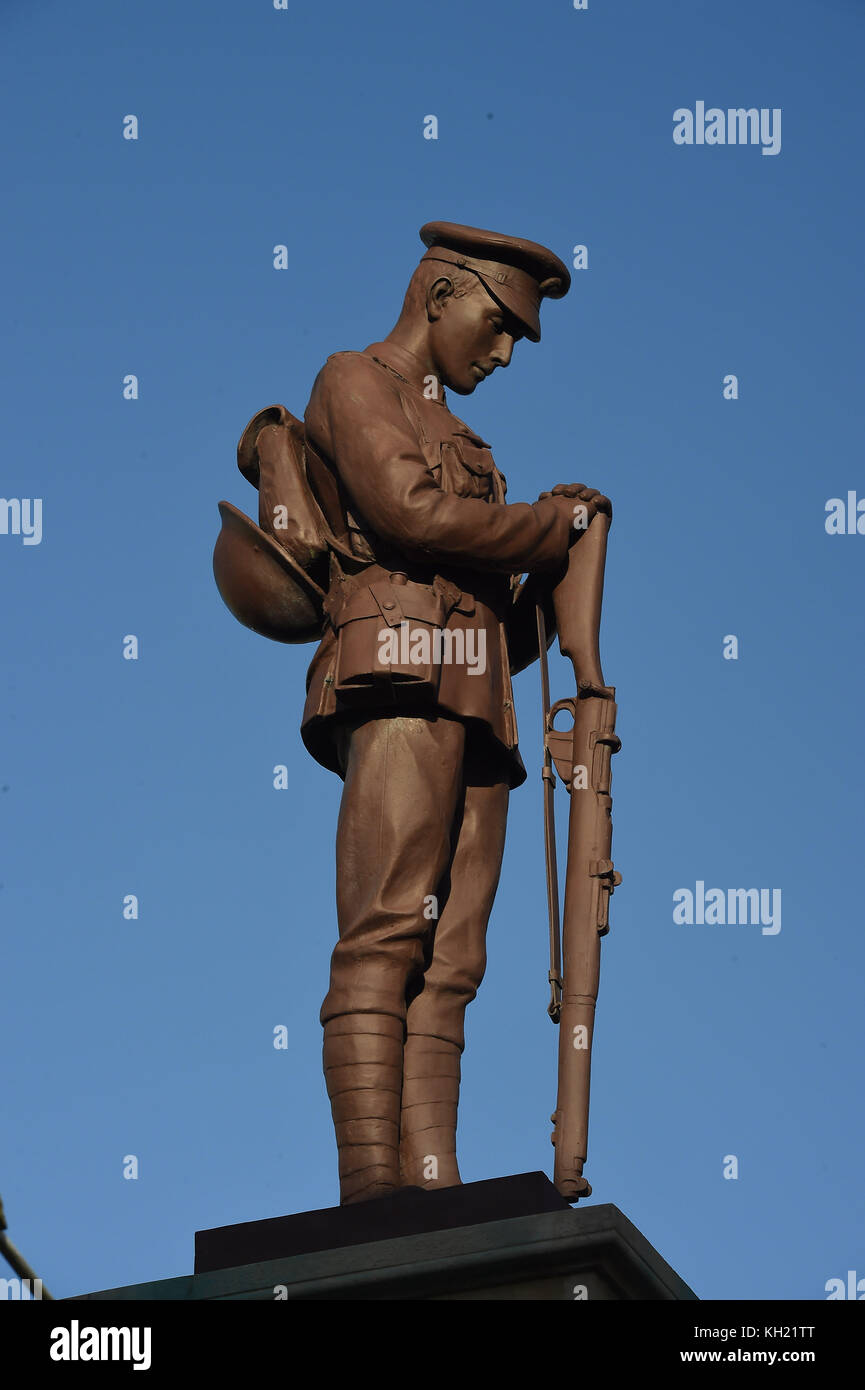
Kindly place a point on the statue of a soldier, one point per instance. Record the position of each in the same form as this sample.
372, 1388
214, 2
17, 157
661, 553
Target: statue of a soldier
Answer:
409, 694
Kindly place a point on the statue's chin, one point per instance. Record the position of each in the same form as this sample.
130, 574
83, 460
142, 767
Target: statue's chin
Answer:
462, 388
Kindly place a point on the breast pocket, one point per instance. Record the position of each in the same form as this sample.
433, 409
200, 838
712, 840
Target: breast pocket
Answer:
466, 468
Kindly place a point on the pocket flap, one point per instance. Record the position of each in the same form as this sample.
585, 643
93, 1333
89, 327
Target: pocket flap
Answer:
400, 601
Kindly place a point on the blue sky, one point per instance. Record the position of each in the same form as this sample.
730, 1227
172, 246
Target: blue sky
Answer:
154, 1037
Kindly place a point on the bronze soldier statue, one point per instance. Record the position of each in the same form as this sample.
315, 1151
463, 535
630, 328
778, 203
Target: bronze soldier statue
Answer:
412, 568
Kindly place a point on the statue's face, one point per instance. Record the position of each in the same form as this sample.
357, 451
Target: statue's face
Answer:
469, 336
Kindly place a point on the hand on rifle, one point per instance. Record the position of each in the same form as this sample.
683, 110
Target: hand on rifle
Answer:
579, 493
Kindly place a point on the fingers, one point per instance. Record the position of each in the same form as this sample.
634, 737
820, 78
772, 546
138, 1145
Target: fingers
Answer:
594, 500
566, 490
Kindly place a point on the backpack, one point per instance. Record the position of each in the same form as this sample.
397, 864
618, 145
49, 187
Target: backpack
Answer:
273, 576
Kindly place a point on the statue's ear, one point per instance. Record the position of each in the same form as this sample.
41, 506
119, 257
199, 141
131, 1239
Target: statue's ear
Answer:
439, 291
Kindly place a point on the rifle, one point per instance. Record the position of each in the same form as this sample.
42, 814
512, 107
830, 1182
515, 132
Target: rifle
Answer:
581, 756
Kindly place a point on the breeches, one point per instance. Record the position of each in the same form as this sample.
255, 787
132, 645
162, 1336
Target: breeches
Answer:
419, 847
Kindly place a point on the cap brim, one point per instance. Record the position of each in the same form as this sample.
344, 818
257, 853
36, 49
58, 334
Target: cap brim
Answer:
518, 305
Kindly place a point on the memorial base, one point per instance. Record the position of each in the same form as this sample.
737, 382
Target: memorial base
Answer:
505, 1238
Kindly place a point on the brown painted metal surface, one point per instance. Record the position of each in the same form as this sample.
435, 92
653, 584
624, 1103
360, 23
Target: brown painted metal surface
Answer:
582, 756
394, 511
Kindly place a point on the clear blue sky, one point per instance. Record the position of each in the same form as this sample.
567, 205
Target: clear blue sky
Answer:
257, 127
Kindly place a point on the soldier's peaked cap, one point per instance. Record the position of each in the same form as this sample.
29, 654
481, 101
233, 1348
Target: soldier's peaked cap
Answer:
517, 273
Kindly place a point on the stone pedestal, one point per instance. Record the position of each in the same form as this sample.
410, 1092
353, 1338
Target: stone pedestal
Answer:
506, 1238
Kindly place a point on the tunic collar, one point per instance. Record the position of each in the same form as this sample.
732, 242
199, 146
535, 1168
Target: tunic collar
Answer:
408, 366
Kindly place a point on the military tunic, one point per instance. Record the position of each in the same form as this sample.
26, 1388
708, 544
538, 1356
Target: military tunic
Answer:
418, 492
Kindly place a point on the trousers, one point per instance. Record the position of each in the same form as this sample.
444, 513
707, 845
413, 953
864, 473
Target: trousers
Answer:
419, 847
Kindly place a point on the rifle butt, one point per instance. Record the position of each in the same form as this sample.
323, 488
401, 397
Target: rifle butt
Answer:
571, 1118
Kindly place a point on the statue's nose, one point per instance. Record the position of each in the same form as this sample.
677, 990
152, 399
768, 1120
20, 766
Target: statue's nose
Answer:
502, 355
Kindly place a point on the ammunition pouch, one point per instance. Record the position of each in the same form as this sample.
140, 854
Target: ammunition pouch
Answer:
389, 639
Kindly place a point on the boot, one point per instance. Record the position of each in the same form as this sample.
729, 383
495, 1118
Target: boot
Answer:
428, 1122
363, 1055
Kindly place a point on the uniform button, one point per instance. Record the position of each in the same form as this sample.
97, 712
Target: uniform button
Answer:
389, 603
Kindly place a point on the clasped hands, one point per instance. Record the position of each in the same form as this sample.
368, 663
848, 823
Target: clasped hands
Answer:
591, 499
